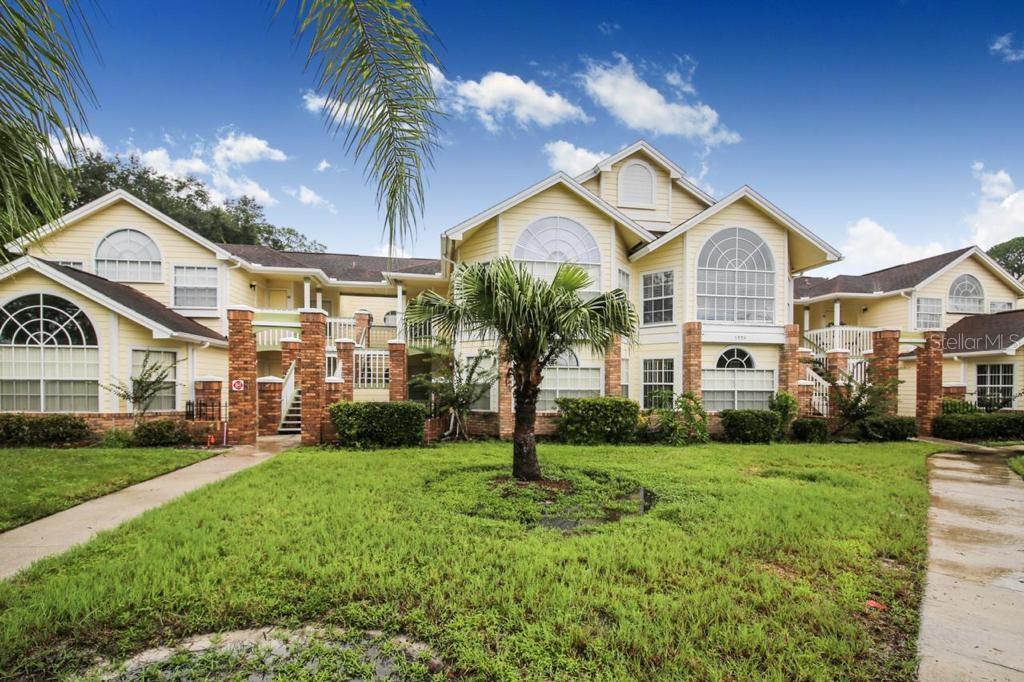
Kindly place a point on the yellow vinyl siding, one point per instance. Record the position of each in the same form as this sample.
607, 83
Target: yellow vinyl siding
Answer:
906, 405
378, 306
481, 245
766, 356
891, 312
79, 240
995, 288
684, 205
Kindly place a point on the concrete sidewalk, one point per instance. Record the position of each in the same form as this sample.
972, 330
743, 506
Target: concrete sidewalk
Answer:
54, 534
972, 627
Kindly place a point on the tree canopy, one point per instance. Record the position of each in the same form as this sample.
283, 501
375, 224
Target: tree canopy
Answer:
1010, 254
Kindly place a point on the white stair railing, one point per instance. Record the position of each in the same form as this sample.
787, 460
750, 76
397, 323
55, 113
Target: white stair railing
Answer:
288, 390
819, 393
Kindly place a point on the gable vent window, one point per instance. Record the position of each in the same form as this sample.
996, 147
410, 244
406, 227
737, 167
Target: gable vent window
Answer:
128, 256
966, 295
636, 185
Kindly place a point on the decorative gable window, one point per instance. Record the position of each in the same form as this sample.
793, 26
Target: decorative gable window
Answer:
929, 313
547, 243
636, 185
128, 256
966, 295
736, 278
195, 286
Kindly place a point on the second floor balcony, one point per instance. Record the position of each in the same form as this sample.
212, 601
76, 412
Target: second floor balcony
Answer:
271, 326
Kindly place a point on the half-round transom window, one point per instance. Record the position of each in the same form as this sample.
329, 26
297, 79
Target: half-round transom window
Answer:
547, 243
736, 278
636, 185
128, 256
735, 358
966, 295
49, 360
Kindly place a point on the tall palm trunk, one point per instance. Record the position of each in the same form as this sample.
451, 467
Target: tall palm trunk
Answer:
525, 465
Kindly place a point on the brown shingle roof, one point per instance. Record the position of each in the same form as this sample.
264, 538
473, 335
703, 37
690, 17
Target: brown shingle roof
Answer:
139, 302
341, 266
993, 332
896, 278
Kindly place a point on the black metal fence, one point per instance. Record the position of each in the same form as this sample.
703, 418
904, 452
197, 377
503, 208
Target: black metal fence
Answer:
205, 410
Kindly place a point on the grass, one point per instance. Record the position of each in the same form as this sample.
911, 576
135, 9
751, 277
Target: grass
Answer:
37, 482
1017, 464
756, 562
999, 443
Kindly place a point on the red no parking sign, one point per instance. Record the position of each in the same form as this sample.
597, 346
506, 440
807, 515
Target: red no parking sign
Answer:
238, 384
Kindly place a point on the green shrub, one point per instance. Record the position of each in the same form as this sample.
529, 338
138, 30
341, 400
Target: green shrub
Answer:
116, 438
592, 421
379, 424
980, 426
810, 430
888, 428
749, 426
161, 433
957, 406
49, 429
785, 405
683, 422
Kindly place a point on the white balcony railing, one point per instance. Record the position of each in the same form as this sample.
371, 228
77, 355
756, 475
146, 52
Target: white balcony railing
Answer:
340, 328
372, 368
857, 340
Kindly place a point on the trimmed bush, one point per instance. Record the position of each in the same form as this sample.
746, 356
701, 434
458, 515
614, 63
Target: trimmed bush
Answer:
750, 426
116, 438
810, 430
785, 405
379, 424
161, 433
49, 429
592, 421
888, 428
957, 406
980, 426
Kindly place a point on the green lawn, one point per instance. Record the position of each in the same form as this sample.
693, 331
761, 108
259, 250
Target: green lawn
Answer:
999, 443
1017, 464
37, 482
756, 562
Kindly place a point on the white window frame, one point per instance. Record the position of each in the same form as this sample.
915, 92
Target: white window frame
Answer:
77, 264
1001, 374
175, 286
1000, 305
654, 181
120, 261
492, 394
738, 381
528, 254
624, 377
705, 272
956, 304
567, 385
172, 381
933, 300
671, 384
644, 299
625, 281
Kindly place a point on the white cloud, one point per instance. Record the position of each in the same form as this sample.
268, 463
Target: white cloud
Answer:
608, 27
396, 251
238, 148
1003, 48
681, 76
639, 106
319, 104
87, 142
308, 197
1000, 212
230, 187
498, 96
160, 160
869, 247
323, 165
567, 157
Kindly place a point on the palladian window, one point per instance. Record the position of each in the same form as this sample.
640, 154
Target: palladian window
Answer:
49, 359
966, 295
128, 256
735, 383
736, 278
547, 243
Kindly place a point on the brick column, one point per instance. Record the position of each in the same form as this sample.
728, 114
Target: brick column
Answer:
885, 361
347, 362
290, 347
312, 372
208, 392
506, 402
954, 391
613, 368
242, 410
804, 396
363, 320
269, 404
789, 360
333, 390
398, 363
693, 342
837, 363
929, 381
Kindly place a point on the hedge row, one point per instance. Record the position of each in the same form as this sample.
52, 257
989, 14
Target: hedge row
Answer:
49, 429
592, 421
396, 424
980, 426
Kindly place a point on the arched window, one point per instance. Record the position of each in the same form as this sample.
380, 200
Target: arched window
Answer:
49, 360
565, 378
636, 185
128, 256
735, 358
736, 278
966, 295
390, 318
547, 243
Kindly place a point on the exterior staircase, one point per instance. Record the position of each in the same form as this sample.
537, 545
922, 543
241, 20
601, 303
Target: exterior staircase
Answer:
291, 418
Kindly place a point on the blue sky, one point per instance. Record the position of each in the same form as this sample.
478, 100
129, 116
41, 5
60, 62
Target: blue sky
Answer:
893, 129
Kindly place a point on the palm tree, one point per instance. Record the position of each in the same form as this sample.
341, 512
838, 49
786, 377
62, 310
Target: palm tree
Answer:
534, 321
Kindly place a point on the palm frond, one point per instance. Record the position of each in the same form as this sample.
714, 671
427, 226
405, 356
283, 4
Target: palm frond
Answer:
42, 90
373, 60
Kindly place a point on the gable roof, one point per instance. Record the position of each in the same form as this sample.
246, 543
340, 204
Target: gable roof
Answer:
748, 193
989, 334
342, 267
896, 278
108, 199
123, 299
455, 233
675, 172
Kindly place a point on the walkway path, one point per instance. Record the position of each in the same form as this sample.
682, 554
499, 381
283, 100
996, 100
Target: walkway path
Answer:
972, 619
55, 534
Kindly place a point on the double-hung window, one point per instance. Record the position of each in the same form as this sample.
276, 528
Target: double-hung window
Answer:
657, 297
999, 306
195, 286
929, 313
566, 379
624, 281
624, 378
734, 383
659, 382
995, 385
166, 397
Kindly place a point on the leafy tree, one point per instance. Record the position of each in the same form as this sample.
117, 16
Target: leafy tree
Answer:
785, 405
456, 384
535, 322
853, 401
141, 389
1010, 254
